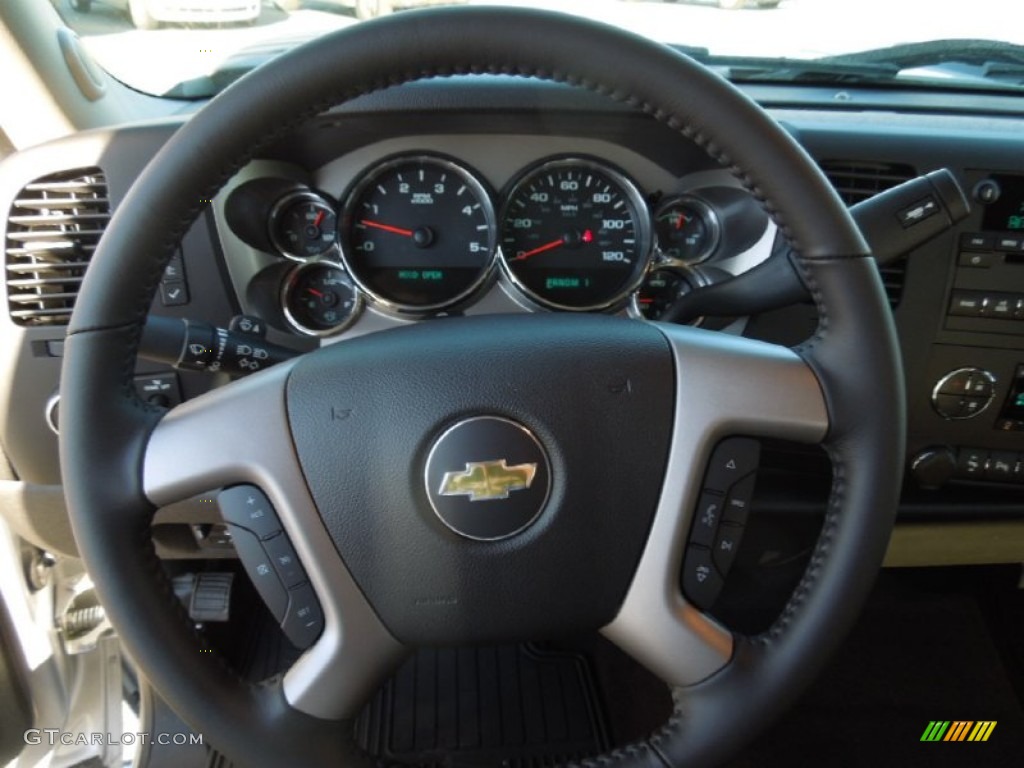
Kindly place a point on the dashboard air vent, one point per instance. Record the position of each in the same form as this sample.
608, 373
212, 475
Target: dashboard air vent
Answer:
855, 181
52, 230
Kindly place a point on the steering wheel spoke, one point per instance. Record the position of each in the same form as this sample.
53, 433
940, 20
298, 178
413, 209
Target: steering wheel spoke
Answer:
240, 434
726, 386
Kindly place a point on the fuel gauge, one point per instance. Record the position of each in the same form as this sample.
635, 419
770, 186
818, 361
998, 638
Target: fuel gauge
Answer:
660, 289
319, 299
687, 229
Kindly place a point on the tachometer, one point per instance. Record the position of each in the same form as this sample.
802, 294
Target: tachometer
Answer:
575, 234
418, 234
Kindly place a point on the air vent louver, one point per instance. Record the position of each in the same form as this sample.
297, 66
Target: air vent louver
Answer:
855, 181
52, 230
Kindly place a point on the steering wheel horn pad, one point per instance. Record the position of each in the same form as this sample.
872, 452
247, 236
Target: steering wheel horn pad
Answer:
843, 388
596, 392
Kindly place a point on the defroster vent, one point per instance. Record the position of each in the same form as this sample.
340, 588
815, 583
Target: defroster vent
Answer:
52, 230
857, 180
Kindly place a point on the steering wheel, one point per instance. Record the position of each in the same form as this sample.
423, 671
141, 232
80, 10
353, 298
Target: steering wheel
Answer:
603, 535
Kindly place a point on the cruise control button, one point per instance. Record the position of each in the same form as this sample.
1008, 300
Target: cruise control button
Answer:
285, 561
304, 621
737, 502
705, 519
727, 544
247, 506
701, 582
732, 459
261, 571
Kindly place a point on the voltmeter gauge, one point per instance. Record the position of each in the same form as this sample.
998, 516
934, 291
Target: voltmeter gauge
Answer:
319, 299
687, 229
661, 288
303, 225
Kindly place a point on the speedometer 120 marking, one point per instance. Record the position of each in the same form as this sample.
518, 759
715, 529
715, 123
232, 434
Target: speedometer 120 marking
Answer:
575, 235
418, 234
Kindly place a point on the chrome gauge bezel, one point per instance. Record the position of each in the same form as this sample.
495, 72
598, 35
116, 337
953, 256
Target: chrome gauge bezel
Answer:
288, 284
286, 201
697, 278
480, 190
708, 215
644, 233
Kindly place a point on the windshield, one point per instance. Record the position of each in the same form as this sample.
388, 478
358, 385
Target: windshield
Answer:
193, 48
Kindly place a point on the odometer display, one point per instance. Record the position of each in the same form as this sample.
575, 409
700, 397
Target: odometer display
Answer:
575, 235
418, 234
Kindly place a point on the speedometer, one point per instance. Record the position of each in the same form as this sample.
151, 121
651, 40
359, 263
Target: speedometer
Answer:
575, 235
418, 234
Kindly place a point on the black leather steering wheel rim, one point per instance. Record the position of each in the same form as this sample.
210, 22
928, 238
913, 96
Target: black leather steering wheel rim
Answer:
105, 427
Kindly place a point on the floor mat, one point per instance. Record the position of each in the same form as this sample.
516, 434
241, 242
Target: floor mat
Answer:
518, 706
921, 652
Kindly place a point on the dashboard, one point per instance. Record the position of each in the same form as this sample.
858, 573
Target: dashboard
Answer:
507, 196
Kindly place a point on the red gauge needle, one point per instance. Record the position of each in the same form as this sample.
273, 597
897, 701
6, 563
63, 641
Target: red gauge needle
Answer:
546, 247
680, 221
318, 219
315, 293
386, 227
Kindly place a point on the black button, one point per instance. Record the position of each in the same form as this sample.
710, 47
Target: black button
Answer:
732, 459
1018, 309
261, 571
970, 462
727, 544
972, 406
956, 383
173, 294
705, 519
1001, 466
950, 406
174, 272
160, 388
304, 621
975, 241
1018, 470
975, 260
250, 325
980, 385
923, 209
987, 191
1002, 306
1009, 243
247, 506
737, 502
285, 561
701, 582
967, 304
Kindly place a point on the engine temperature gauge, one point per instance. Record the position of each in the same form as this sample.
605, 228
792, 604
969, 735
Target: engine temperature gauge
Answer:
660, 289
319, 299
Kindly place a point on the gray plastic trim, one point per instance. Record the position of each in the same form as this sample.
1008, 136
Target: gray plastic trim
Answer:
240, 434
725, 385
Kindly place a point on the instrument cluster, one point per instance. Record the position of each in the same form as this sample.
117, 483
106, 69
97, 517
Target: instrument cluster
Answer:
420, 234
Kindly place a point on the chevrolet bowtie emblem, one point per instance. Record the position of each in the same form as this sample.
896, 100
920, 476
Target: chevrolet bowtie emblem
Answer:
488, 480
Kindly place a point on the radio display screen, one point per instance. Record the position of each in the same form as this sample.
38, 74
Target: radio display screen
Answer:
1007, 213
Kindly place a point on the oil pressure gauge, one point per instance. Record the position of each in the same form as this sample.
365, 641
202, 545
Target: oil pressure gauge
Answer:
319, 299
